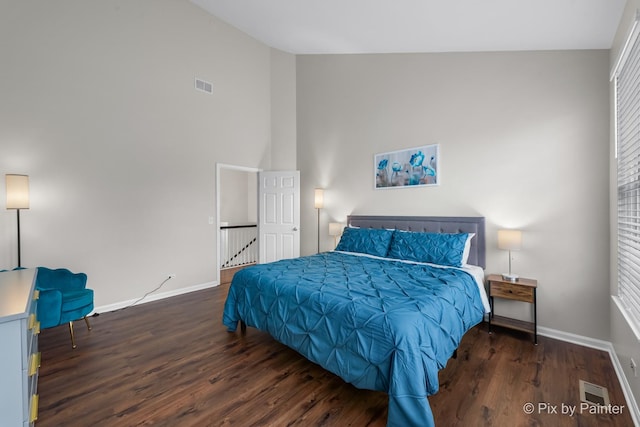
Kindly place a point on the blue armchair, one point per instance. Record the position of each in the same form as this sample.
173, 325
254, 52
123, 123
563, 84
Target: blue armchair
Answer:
63, 298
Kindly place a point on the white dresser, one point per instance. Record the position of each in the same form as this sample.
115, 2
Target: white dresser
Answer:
19, 356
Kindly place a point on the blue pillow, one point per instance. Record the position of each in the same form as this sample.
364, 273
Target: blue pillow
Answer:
372, 241
436, 248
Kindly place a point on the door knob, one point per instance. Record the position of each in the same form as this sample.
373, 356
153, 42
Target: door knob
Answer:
295, 228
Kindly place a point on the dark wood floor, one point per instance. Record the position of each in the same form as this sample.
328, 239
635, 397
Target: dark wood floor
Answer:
172, 363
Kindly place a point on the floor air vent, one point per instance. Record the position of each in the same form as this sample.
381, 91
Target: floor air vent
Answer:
593, 394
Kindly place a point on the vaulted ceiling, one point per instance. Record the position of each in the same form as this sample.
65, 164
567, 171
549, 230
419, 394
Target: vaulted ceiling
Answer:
385, 26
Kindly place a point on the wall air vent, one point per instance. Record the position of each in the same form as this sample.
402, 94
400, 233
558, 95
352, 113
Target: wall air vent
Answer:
204, 86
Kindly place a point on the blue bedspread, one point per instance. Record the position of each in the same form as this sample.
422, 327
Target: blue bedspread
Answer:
378, 324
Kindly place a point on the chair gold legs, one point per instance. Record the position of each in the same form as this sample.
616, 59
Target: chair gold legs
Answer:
73, 339
86, 320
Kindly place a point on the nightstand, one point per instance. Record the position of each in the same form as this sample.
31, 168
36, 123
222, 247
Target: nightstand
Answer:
521, 290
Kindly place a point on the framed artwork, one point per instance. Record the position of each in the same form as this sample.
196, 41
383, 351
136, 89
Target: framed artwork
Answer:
413, 167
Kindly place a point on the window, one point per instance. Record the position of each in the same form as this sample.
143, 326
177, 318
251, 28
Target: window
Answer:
627, 139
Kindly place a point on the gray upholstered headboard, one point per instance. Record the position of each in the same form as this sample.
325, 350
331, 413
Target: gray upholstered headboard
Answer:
432, 224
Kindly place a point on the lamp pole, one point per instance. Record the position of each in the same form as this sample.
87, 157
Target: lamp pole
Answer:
318, 229
318, 202
19, 251
17, 198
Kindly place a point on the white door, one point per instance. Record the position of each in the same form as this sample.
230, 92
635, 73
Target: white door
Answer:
278, 215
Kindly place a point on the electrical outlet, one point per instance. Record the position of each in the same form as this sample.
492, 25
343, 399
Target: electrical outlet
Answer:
171, 276
633, 367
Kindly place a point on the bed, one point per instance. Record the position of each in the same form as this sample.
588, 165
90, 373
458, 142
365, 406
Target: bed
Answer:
385, 311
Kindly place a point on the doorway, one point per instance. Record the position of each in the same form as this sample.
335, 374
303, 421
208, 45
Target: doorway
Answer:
237, 215
258, 217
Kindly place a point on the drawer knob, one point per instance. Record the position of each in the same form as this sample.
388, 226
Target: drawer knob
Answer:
33, 416
32, 321
34, 363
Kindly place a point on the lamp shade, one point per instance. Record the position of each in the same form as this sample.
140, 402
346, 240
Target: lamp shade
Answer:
319, 198
17, 191
510, 240
335, 228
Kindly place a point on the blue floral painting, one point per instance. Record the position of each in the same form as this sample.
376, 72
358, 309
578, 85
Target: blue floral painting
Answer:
412, 167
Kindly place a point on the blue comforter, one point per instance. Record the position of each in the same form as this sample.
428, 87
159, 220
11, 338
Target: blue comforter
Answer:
378, 324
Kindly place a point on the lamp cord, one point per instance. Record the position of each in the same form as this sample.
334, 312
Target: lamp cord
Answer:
147, 294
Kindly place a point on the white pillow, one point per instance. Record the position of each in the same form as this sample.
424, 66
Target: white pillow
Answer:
467, 249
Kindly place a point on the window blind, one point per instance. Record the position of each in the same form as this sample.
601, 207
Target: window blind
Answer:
627, 104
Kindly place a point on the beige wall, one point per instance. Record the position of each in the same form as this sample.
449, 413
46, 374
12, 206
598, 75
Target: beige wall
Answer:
524, 142
625, 342
99, 108
283, 110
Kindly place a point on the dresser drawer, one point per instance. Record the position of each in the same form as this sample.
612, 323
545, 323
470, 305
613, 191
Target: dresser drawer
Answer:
512, 291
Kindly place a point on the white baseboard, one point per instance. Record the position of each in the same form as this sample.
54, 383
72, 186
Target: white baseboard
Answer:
153, 297
632, 405
575, 339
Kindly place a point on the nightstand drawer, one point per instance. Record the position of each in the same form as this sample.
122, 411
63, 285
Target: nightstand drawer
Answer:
512, 291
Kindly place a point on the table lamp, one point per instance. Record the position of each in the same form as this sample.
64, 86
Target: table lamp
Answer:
510, 240
335, 230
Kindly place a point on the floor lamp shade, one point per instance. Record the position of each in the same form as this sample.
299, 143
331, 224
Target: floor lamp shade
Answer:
318, 200
17, 191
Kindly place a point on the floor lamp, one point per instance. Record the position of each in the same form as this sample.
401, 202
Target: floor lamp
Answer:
319, 204
17, 198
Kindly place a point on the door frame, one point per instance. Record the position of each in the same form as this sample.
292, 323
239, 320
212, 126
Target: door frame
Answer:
219, 167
